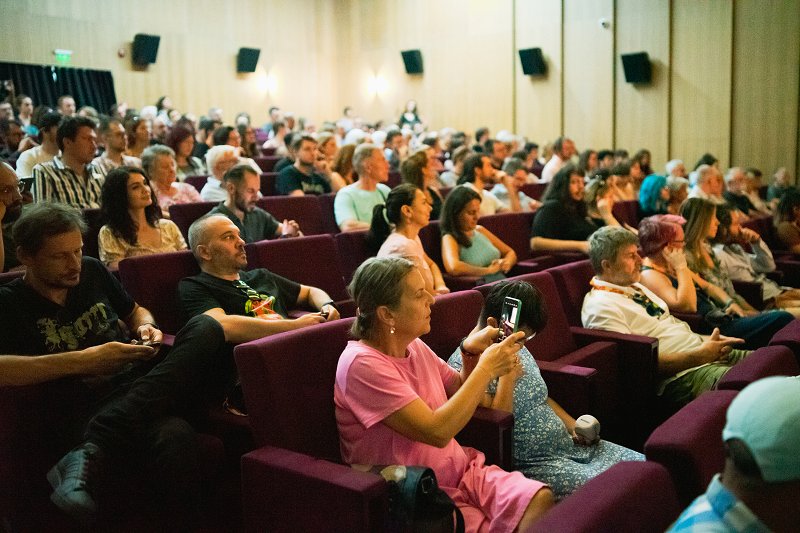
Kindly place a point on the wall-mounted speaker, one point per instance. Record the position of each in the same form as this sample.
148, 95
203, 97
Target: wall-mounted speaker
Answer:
247, 59
412, 59
145, 48
532, 62
637, 67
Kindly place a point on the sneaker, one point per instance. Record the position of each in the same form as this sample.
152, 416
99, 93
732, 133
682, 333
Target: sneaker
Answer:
72, 479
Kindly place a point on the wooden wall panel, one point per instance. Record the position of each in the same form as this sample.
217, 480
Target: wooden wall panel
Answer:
538, 99
642, 112
588, 73
701, 80
765, 85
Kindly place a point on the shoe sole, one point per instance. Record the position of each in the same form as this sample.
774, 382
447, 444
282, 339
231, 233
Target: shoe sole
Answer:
78, 513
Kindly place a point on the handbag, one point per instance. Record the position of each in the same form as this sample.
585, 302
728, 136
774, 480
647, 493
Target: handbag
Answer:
416, 503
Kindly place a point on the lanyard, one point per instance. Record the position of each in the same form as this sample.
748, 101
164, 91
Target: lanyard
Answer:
640, 298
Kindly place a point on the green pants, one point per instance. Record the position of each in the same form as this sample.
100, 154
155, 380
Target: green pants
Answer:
690, 385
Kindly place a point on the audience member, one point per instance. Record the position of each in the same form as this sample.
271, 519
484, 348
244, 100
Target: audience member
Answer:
354, 203
736, 193
625, 190
219, 159
254, 224
10, 210
644, 158
478, 172
449, 178
66, 105
71, 178
605, 159
397, 402
760, 485
342, 167
562, 223
599, 199
204, 138
563, 150
469, 249
709, 185
518, 174
678, 193
277, 139
654, 196
728, 250
392, 149
707, 159
24, 110
160, 130
675, 168
48, 131
139, 131
787, 218
302, 178
417, 170
497, 152
158, 162
133, 223
248, 136
112, 134
688, 363
781, 182
181, 141
753, 191
587, 163
78, 336
546, 446
288, 159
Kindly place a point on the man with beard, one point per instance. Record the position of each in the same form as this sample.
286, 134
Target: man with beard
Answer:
10, 209
301, 178
242, 184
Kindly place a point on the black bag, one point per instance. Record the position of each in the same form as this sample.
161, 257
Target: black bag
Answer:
416, 503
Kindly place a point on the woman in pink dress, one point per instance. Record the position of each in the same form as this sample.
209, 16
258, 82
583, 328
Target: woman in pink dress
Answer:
398, 403
158, 161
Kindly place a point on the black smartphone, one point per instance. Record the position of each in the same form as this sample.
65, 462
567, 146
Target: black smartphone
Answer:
509, 316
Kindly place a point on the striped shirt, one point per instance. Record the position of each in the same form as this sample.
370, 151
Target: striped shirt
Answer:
718, 511
106, 165
55, 182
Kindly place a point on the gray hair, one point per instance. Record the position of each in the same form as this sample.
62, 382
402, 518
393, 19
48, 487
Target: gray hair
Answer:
363, 152
215, 153
676, 183
377, 282
732, 172
151, 153
703, 171
605, 244
672, 165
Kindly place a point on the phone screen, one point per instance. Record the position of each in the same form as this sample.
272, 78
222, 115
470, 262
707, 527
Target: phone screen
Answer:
509, 317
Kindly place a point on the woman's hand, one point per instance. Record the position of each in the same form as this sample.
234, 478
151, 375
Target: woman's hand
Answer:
675, 257
477, 341
506, 264
494, 266
735, 309
605, 205
501, 358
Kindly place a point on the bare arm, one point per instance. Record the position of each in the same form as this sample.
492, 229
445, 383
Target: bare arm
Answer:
18, 370
539, 244
439, 286
683, 299
508, 255
353, 225
247, 328
317, 299
418, 422
456, 267
297, 192
714, 347
568, 421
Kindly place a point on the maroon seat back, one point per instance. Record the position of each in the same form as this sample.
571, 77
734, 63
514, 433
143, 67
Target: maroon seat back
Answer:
762, 363
94, 221
453, 316
328, 218
152, 280
267, 162
352, 248
305, 210
514, 229
534, 190
629, 496
431, 240
689, 443
311, 260
627, 212
267, 186
572, 281
198, 182
184, 214
288, 382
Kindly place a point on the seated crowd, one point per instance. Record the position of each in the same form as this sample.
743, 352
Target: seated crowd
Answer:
396, 401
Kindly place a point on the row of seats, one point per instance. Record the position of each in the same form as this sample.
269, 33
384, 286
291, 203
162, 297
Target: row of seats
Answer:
586, 371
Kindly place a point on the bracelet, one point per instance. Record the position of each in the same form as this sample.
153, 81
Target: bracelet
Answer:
464, 352
329, 302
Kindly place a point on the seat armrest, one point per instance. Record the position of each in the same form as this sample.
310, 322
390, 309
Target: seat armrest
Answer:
573, 387
695, 321
528, 266
489, 430
290, 491
790, 266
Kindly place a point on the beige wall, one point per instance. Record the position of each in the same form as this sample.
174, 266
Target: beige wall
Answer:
725, 73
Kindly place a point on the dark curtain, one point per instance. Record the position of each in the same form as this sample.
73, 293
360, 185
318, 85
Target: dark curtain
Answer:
45, 83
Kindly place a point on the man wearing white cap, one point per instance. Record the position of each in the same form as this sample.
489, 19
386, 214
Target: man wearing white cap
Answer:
759, 489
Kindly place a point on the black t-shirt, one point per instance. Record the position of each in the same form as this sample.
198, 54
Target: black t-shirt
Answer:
34, 325
272, 293
290, 179
740, 202
552, 221
282, 163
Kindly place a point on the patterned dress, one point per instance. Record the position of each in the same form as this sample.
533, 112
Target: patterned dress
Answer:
543, 449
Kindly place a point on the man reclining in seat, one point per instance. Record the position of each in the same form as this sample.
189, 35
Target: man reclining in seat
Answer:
62, 321
248, 305
688, 363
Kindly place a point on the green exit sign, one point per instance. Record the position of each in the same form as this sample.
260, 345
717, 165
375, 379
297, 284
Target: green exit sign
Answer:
63, 57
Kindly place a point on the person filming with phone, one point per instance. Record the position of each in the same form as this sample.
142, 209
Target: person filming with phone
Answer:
549, 444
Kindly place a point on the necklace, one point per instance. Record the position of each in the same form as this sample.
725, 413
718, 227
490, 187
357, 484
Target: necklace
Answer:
640, 298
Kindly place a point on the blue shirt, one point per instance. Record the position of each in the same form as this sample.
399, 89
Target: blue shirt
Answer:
718, 510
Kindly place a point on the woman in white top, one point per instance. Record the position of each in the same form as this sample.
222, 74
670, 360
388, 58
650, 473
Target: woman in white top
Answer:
395, 231
133, 219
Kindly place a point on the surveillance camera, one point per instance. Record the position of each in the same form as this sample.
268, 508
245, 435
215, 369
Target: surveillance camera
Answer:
604, 23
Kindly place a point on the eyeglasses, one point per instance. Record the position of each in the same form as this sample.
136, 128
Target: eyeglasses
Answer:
20, 188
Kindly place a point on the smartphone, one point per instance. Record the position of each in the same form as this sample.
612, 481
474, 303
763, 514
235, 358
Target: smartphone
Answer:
509, 316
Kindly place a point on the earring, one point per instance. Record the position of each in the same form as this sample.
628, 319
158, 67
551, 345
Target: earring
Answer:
391, 330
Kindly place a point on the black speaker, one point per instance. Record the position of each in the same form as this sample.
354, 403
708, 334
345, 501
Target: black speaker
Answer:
532, 62
412, 59
636, 67
247, 59
145, 48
